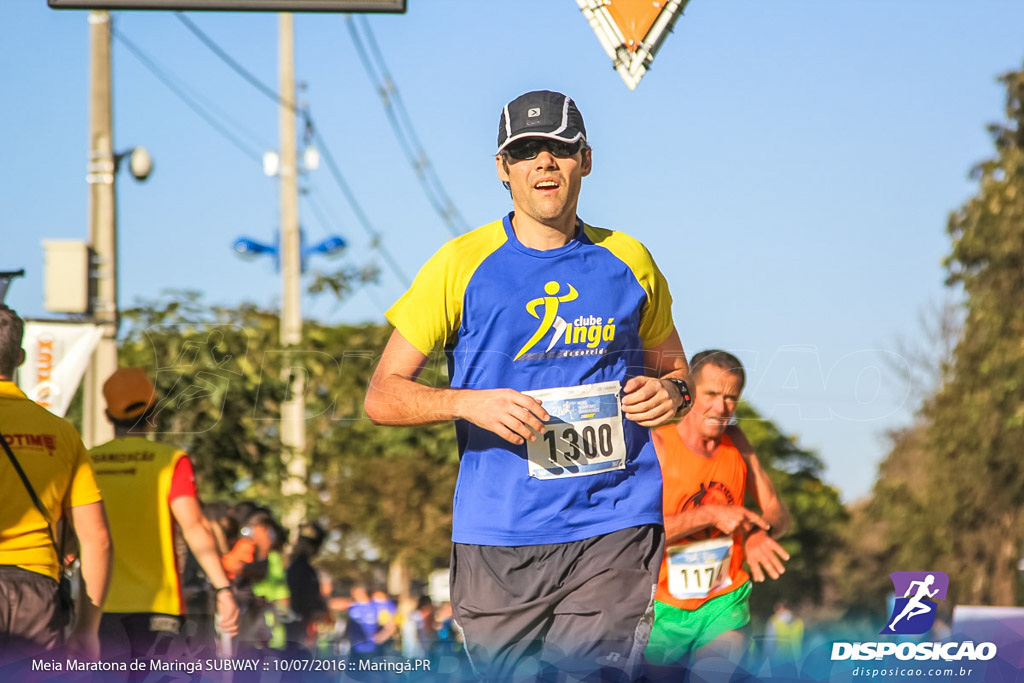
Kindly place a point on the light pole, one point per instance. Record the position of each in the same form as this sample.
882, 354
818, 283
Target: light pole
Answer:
103, 166
293, 409
290, 253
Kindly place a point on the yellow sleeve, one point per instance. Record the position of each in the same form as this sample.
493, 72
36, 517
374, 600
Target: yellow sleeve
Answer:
656, 324
656, 319
430, 313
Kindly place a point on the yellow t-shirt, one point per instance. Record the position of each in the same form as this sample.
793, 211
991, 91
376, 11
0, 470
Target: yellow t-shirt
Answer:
135, 475
57, 465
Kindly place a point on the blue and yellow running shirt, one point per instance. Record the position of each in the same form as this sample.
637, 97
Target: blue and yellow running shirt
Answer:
509, 316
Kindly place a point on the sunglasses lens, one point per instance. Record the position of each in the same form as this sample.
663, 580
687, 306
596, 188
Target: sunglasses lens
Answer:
563, 149
529, 149
525, 149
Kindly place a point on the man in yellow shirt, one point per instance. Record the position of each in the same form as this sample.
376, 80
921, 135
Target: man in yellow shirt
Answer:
150, 493
50, 453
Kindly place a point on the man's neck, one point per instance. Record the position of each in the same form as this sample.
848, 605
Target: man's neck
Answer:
543, 235
696, 442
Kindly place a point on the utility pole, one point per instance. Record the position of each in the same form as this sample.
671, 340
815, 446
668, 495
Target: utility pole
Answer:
96, 428
293, 410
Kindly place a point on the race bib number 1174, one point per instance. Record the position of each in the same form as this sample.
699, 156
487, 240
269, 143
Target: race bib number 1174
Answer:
696, 569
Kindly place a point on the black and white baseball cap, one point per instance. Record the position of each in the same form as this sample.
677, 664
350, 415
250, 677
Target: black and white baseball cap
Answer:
540, 114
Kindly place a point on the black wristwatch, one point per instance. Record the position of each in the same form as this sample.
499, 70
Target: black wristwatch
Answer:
684, 391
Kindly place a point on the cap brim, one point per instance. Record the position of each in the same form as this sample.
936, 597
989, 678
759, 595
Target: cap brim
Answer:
549, 136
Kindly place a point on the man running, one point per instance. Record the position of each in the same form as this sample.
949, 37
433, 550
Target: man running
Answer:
708, 468
562, 353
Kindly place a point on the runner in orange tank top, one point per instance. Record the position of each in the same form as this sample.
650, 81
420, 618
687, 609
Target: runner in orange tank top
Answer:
708, 466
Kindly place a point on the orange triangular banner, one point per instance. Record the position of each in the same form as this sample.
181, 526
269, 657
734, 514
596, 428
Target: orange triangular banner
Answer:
634, 18
631, 31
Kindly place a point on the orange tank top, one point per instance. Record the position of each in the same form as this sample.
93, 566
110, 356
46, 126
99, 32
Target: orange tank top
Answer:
691, 480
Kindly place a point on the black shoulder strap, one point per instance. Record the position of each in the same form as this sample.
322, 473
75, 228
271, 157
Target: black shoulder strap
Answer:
32, 495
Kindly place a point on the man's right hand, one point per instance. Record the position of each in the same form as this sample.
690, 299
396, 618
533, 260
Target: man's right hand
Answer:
513, 416
730, 518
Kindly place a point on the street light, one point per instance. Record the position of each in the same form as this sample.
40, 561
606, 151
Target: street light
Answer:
248, 248
139, 162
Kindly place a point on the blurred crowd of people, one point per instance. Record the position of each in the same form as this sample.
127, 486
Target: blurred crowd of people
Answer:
287, 604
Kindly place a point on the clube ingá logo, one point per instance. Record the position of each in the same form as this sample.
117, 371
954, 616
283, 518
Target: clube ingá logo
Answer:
914, 612
585, 335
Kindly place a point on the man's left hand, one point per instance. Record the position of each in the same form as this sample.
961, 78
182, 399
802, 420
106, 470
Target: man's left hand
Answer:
648, 401
227, 613
764, 556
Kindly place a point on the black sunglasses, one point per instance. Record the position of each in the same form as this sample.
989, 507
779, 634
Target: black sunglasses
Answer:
523, 150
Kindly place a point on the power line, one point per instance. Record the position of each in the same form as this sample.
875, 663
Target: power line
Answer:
375, 237
402, 126
312, 200
235, 66
313, 131
192, 102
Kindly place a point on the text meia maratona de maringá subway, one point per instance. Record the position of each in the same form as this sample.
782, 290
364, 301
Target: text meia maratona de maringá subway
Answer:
186, 666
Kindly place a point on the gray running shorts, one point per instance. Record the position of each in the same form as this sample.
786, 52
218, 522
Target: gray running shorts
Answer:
583, 608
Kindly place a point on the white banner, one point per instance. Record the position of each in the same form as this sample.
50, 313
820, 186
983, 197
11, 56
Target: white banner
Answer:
56, 355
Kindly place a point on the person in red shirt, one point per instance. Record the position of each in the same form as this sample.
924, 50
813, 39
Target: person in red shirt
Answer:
150, 492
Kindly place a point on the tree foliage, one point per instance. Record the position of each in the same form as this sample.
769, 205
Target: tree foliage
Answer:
384, 493
977, 416
215, 395
889, 531
951, 492
818, 515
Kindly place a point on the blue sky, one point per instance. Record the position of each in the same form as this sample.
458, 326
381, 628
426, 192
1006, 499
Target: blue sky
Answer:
790, 165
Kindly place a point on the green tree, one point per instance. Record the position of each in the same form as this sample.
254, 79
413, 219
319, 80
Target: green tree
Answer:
890, 531
951, 491
818, 515
893, 529
976, 419
207, 365
385, 493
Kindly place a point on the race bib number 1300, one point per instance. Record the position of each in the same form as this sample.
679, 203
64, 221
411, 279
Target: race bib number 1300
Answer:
584, 435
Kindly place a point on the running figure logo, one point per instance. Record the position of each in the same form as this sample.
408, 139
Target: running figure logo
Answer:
914, 613
550, 314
